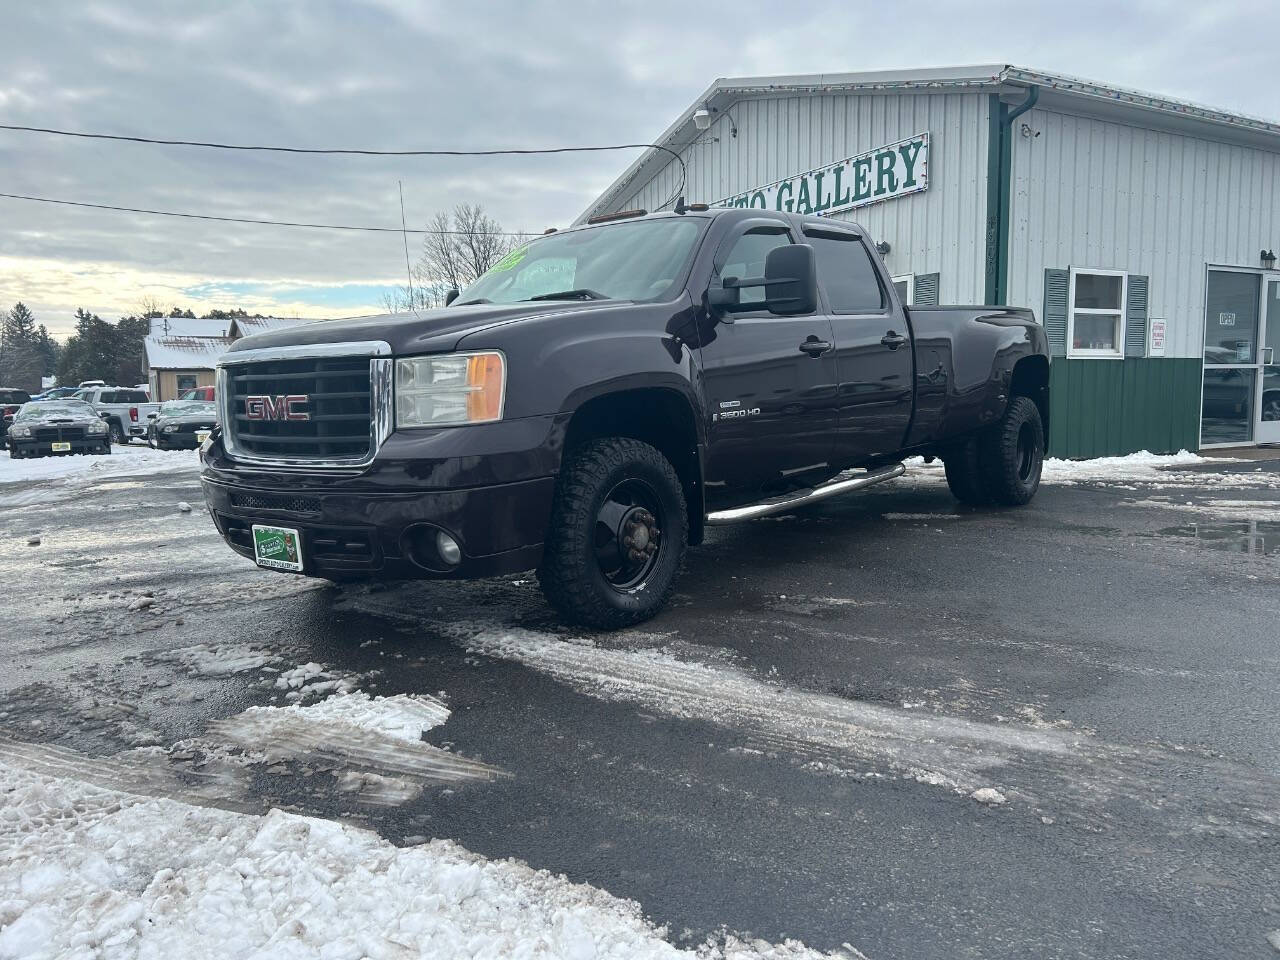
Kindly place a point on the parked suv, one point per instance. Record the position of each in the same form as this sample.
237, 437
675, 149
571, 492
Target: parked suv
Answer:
126, 410
602, 395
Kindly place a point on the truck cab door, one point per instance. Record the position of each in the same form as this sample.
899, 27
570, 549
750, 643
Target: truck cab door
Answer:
874, 358
769, 382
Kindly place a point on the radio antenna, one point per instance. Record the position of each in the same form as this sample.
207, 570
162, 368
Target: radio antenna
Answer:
404, 232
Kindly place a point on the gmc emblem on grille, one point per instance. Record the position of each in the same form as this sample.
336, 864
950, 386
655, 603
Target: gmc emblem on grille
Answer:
281, 407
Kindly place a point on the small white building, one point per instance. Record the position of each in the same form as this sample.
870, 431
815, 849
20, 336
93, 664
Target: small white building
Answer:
176, 364
1141, 229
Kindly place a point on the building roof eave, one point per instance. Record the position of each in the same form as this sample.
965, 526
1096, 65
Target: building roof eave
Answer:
994, 77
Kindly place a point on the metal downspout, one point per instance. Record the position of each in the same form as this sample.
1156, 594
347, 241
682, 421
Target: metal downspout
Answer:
1006, 185
1000, 195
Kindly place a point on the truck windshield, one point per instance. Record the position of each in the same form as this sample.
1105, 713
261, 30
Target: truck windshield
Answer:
640, 260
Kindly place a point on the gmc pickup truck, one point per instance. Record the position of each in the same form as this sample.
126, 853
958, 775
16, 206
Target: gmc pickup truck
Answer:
126, 410
602, 395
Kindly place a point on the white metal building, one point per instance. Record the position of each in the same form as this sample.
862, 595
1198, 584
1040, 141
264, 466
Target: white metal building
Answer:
1140, 228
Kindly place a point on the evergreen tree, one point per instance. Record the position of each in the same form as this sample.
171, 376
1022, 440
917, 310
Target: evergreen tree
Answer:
21, 361
50, 350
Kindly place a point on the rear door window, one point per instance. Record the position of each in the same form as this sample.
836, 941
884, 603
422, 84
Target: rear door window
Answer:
847, 275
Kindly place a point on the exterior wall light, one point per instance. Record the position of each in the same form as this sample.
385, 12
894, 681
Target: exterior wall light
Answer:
1268, 259
702, 118
883, 248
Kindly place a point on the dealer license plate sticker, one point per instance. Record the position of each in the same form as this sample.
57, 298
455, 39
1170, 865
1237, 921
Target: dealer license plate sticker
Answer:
202, 436
61, 447
277, 547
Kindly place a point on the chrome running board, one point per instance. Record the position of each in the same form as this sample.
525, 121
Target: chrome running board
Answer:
805, 497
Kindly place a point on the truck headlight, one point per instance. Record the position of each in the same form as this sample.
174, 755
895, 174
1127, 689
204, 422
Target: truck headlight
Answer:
450, 389
98, 426
169, 429
20, 431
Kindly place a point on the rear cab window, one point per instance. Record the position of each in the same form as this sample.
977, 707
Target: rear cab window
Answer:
846, 274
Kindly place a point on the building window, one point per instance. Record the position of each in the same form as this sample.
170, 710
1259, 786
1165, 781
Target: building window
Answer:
906, 287
1095, 322
186, 381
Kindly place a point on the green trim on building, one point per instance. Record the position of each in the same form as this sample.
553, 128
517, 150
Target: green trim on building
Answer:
1103, 408
995, 228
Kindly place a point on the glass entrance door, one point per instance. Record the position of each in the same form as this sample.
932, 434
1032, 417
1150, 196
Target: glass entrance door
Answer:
1229, 411
1268, 426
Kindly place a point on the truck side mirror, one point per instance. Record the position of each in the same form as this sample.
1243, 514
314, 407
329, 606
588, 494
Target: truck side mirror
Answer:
451, 296
791, 280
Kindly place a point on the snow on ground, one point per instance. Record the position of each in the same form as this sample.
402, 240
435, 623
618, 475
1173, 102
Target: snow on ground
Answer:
375, 743
399, 717
58, 478
1134, 466
839, 734
88, 872
1152, 469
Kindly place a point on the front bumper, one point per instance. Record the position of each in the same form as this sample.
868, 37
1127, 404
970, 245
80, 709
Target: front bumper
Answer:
181, 439
487, 486
390, 536
44, 448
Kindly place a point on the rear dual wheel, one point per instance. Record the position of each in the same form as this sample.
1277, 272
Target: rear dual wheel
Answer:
1002, 465
618, 531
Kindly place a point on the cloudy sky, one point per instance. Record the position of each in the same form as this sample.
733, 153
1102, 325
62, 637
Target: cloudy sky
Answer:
403, 74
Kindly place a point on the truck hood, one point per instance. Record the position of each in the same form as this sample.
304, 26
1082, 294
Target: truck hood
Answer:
427, 331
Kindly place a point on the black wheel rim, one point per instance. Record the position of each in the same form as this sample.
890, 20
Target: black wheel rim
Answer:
628, 534
1026, 453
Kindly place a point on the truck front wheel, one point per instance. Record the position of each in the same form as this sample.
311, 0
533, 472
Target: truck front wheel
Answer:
117, 433
618, 531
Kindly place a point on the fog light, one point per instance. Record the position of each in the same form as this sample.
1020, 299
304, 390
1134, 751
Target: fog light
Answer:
450, 552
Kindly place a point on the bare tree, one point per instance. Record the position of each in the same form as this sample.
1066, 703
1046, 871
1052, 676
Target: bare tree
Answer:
457, 249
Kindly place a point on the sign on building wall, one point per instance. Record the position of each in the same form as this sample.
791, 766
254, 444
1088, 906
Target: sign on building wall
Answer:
890, 171
1155, 338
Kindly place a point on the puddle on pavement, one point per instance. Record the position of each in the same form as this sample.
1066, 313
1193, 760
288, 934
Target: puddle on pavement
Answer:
1257, 537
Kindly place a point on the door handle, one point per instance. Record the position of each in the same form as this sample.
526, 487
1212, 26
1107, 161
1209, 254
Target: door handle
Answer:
893, 340
815, 347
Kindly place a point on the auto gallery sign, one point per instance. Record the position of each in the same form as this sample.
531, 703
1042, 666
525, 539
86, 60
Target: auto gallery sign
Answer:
890, 171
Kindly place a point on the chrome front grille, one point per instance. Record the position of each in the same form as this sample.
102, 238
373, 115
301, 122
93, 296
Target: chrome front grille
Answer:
327, 405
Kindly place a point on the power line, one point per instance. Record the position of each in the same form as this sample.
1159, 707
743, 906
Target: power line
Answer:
268, 223
355, 151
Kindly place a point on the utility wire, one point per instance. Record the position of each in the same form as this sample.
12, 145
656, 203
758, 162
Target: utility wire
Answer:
353, 151
268, 223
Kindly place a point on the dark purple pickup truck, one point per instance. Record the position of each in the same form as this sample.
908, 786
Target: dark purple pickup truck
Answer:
602, 395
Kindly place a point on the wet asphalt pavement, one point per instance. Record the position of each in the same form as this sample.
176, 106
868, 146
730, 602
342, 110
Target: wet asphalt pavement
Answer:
788, 751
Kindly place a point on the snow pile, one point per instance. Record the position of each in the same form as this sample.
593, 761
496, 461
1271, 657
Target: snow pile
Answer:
399, 717
312, 679
1134, 466
216, 660
91, 872
374, 744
